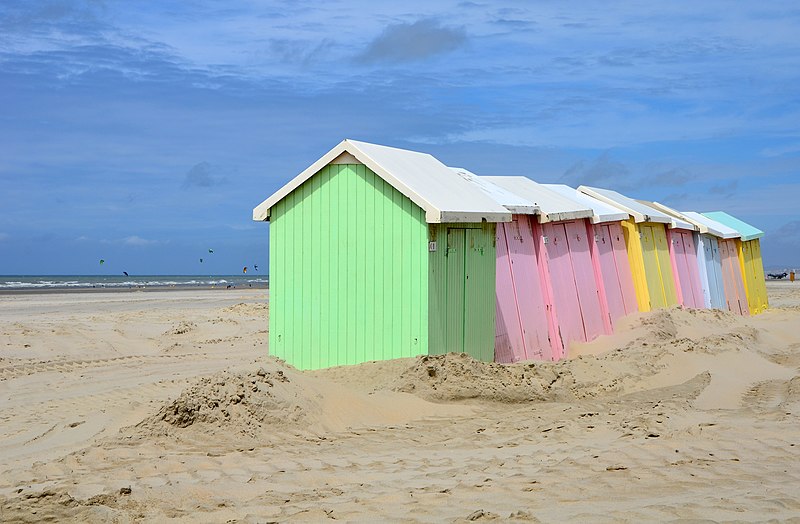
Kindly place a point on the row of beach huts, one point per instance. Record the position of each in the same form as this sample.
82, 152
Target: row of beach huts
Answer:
378, 253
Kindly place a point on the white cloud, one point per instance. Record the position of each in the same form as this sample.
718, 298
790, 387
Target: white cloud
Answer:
138, 241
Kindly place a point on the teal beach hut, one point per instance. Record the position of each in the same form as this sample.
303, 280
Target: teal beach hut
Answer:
379, 253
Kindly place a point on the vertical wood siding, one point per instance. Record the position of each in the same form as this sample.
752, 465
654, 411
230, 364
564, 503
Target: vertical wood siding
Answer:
615, 270
348, 271
657, 265
633, 244
522, 327
708, 256
753, 272
578, 301
462, 289
735, 295
684, 266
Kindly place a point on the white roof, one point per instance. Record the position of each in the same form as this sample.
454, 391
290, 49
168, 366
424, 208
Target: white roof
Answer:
444, 195
553, 207
602, 211
678, 222
639, 211
711, 226
511, 201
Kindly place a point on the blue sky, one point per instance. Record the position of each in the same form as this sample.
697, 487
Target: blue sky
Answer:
144, 133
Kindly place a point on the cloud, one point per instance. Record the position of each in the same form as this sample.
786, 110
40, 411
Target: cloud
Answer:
138, 241
603, 170
200, 176
787, 149
725, 188
789, 230
412, 42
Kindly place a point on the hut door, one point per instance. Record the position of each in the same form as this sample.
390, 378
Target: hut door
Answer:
716, 288
657, 266
616, 270
732, 278
467, 302
522, 314
562, 279
456, 282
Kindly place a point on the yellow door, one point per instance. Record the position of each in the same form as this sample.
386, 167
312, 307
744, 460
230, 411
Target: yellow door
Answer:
633, 244
664, 265
651, 270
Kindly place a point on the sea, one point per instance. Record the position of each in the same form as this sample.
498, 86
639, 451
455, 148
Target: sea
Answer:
66, 282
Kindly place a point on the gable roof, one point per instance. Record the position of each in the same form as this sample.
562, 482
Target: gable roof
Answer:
511, 201
602, 212
444, 195
552, 206
747, 231
678, 222
640, 212
711, 226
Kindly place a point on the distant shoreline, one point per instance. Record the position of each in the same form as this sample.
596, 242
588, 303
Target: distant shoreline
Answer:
127, 289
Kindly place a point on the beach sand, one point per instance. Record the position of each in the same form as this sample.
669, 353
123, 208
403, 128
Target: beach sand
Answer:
154, 407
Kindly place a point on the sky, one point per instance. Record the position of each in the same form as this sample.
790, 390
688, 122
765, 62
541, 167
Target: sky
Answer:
144, 133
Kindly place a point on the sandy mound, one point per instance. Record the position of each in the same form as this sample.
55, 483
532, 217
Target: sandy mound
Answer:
276, 399
250, 310
245, 402
662, 349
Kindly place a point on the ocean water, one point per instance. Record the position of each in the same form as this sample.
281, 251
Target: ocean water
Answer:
8, 282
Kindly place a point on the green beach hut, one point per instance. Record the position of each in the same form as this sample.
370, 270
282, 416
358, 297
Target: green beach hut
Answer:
378, 253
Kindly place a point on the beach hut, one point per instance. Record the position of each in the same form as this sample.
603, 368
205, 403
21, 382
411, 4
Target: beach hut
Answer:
682, 241
525, 324
648, 251
726, 289
570, 276
609, 251
707, 249
378, 253
749, 252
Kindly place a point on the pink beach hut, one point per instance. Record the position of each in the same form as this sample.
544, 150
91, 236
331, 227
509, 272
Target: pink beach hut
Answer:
609, 251
569, 273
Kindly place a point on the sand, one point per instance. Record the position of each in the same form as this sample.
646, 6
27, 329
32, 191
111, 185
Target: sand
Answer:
154, 407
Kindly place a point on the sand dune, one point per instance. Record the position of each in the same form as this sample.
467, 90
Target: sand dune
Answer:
166, 408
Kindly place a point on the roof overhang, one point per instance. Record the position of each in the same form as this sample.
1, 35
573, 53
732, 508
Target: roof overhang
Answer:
553, 207
509, 200
602, 212
426, 177
638, 211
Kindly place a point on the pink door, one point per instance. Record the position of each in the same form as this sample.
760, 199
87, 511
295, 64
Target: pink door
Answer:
615, 270
522, 313
574, 289
732, 278
686, 285
693, 268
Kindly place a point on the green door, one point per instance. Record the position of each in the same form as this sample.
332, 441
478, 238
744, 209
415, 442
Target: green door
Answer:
469, 298
456, 289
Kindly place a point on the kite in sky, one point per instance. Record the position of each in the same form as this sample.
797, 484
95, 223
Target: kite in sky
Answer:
125, 273
102, 261
255, 266
244, 270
